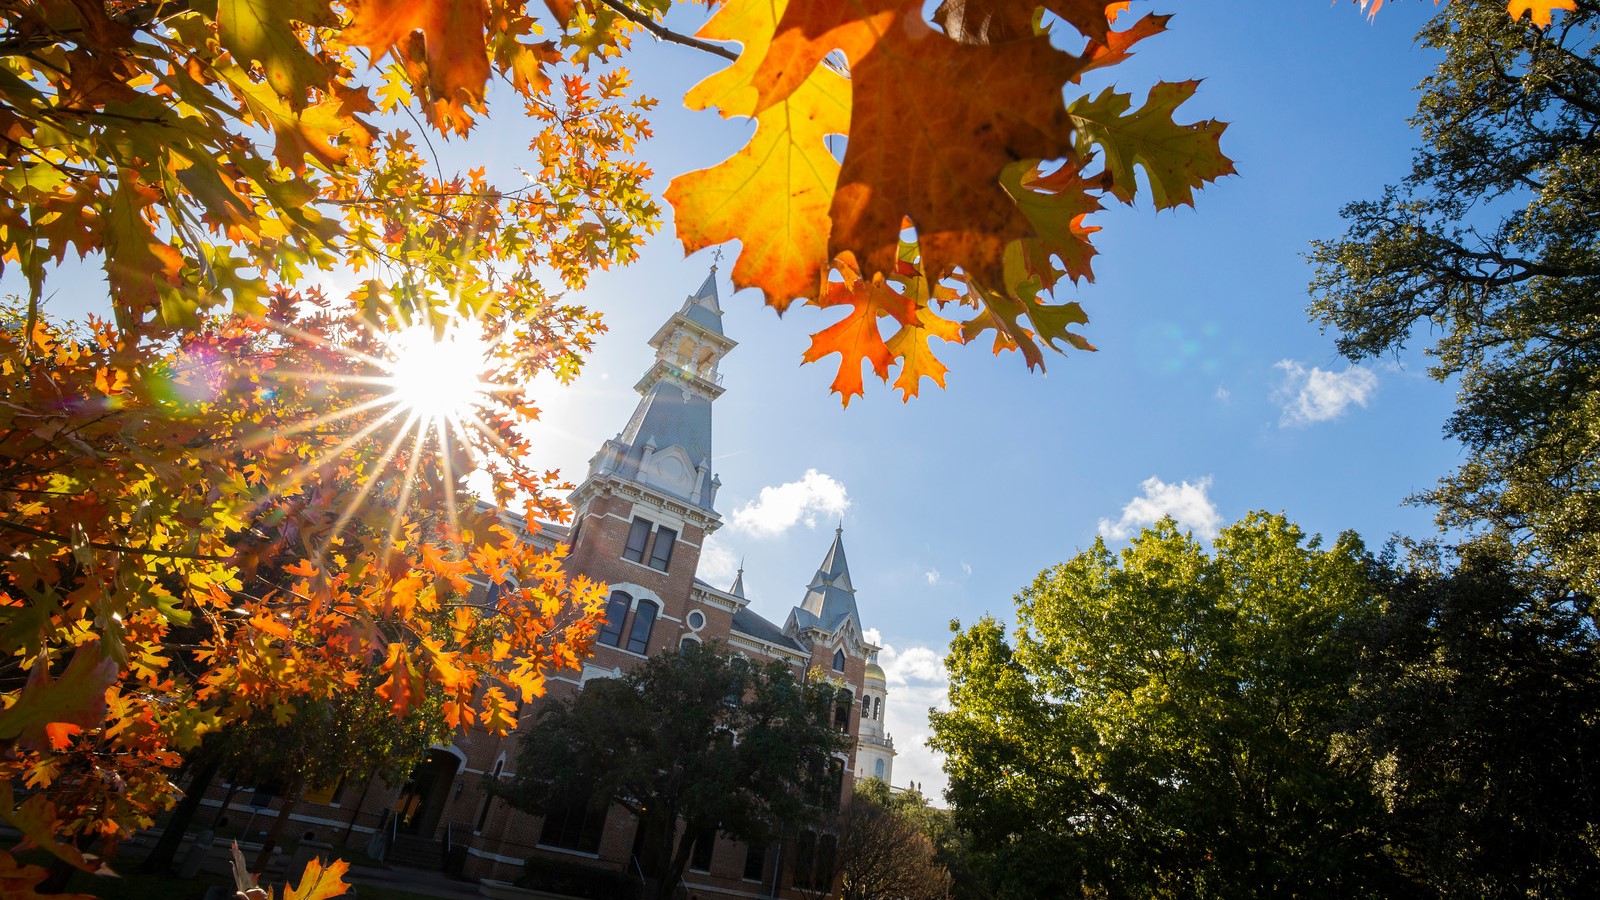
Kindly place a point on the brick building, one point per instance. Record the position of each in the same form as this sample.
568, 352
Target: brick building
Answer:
640, 518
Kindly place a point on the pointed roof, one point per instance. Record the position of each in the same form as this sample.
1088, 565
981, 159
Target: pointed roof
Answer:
702, 307
830, 597
738, 584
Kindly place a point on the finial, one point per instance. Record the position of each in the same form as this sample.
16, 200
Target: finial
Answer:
715, 259
840, 530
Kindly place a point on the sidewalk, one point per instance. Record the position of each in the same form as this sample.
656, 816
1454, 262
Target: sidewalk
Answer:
417, 881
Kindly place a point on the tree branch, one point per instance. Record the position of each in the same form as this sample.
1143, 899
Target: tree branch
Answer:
666, 34
120, 548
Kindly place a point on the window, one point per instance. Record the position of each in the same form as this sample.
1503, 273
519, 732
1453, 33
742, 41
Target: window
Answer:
644, 619
616, 615
684, 644
661, 551
697, 619
834, 787
877, 707
572, 823
755, 862
805, 859
488, 801
877, 770
638, 536
826, 848
704, 843
841, 710
838, 660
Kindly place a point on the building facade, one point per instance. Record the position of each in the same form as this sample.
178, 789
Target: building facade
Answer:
640, 518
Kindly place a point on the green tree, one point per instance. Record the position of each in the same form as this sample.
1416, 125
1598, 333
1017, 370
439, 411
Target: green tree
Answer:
1160, 723
699, 737
1477, 714
1492, 243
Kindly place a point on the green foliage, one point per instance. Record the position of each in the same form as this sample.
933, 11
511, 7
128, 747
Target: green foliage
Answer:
1159, 725
659, 741
1477, 714
1492, 243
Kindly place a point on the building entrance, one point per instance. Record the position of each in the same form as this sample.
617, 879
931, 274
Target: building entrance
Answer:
423, 798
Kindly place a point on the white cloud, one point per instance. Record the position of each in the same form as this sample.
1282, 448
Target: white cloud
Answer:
932, 575
717, 565
1186, 503
917, 681
777, 509
1223, 393
965, 569
1316, 395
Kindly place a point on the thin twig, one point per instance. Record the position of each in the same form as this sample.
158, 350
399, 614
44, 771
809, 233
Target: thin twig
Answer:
666, 34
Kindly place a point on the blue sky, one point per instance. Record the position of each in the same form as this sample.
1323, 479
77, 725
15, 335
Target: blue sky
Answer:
1212, 394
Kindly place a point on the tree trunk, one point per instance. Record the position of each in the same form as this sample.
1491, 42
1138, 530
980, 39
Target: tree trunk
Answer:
356, 814
680, 860
290, 801
166, 849
222, 812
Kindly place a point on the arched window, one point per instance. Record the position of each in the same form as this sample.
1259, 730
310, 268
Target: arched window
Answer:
877, 707
877, 769
644, 619
838, 660
841, 710
616, 615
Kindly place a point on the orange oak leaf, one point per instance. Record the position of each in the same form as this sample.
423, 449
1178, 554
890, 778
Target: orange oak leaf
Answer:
403, 687
77, 697
856, 337
1118, 45
451, 33
809, 30
998, 21
977, 109
1540, 10
319, 882
18, 882
788, 157
910, 345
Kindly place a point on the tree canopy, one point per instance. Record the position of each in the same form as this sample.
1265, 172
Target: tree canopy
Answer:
1489, 250
1279, 717
889, 846
1159, 724
700, 737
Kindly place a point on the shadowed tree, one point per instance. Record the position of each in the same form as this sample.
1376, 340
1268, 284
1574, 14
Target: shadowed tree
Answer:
1490, 248
699, 737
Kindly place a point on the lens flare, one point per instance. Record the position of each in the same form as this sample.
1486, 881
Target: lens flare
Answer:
439, 377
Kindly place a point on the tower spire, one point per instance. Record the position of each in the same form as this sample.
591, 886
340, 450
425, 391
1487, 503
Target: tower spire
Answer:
830, 596
667, 441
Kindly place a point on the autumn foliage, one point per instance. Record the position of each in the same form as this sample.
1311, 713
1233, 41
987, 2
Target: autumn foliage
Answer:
214, 502
963, 174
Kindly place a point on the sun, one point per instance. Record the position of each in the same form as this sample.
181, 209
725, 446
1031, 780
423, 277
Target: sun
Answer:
439, 377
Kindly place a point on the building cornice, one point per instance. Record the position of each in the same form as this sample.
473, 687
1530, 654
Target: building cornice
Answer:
607, 483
